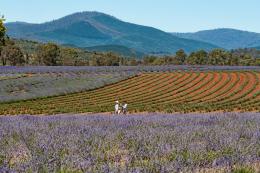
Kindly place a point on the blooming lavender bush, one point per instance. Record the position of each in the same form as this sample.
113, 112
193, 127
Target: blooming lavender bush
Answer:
134, 143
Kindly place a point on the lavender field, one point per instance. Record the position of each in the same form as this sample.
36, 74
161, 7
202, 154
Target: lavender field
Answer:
31, 82
30, 85
224, 142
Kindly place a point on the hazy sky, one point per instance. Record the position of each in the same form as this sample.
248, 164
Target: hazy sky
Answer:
167, 15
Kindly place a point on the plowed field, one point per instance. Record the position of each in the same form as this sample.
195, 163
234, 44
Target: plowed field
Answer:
157, 92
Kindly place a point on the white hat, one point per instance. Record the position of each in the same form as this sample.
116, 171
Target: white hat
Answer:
117, 101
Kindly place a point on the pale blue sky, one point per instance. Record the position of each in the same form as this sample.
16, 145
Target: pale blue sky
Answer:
167, 15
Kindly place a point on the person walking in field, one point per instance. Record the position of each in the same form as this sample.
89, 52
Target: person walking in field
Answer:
117, 109
124, 108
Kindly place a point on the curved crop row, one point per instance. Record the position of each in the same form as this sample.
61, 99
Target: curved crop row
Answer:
158, 91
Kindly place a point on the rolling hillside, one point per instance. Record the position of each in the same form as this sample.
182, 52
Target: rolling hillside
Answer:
87, 29
225, 38
158, 91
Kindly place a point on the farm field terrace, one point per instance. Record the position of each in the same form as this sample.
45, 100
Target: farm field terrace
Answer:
212, 142
23, 86
172, 91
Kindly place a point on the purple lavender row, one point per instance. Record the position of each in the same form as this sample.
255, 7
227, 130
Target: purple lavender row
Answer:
55, 69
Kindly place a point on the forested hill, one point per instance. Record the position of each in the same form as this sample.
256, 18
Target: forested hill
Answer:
225, 38
87, 29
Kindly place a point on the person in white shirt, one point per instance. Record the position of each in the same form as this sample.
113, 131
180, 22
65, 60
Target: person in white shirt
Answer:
124, 107
117, 110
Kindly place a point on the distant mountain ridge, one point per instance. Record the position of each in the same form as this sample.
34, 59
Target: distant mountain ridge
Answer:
225, 38
88, 29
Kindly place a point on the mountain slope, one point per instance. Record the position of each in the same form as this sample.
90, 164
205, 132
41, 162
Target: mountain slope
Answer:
226, 38
88, 29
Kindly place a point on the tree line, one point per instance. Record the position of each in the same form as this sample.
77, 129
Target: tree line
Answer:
23, 52
240, 57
